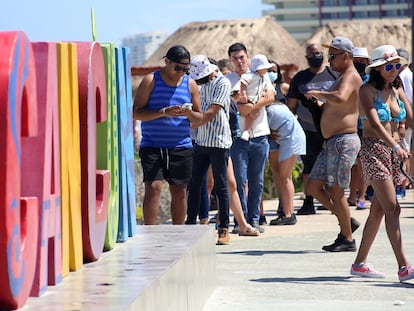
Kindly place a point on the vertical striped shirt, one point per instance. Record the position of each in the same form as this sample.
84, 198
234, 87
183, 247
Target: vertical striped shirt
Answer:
216, 133
167, 132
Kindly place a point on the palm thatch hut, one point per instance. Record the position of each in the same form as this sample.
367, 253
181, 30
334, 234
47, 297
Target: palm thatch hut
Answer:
212, 38
367, 33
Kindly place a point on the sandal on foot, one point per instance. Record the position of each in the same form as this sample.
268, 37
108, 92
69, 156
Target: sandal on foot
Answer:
250, 231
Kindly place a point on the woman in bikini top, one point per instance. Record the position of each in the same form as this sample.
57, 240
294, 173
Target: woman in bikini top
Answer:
384, 112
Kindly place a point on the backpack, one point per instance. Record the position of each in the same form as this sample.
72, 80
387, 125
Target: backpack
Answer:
234, 120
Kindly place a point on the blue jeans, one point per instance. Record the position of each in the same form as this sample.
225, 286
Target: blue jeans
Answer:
249, 162
219, 159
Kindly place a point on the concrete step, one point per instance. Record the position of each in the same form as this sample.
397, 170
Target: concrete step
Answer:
163, 267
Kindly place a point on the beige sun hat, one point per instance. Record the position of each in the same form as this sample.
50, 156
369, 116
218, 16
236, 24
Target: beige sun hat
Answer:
382, 55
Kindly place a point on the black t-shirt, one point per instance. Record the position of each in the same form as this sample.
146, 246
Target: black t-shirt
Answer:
309, 114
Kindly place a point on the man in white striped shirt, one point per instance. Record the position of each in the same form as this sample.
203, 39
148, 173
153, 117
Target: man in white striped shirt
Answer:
213, 141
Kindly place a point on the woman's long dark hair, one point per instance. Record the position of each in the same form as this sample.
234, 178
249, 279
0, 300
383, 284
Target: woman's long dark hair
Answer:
378, 81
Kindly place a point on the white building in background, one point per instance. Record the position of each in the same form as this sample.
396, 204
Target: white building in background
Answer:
142, 45
301, 18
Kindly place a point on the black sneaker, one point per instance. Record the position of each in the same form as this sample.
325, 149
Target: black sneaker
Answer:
354, 224
280, 210
306, 211
307, 208
262, 220
341, 245
255, 224
283, 220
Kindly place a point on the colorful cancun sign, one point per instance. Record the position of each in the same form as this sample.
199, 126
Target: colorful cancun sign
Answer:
67, 188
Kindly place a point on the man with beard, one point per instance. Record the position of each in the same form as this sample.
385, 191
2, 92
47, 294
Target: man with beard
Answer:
316, 77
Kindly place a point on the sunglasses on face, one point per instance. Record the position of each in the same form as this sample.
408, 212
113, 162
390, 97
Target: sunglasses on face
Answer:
389, 67
331, 56
179, 68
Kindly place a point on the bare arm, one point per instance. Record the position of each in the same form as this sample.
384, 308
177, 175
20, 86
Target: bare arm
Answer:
194, 115
292, 103
343, 90
141, 112
267, 97
408, 108
141, 101
367, 100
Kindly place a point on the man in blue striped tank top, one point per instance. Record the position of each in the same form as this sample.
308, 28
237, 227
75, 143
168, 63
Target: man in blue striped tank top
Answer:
166, 102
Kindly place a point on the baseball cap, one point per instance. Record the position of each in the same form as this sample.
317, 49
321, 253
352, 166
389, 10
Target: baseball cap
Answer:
340, 43
258, 62
177, 53
201, 67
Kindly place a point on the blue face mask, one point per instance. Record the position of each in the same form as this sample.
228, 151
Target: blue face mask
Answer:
273, 76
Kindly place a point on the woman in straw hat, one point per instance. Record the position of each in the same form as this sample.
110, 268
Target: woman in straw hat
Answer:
382, 106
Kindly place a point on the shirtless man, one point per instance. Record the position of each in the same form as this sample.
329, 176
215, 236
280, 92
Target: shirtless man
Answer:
331, 172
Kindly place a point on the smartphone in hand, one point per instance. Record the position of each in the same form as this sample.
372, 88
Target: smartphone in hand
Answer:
187, 106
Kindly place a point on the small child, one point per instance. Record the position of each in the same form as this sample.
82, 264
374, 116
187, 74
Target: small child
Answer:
252, 85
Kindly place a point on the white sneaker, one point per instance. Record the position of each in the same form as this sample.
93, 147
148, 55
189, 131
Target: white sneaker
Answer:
366, 271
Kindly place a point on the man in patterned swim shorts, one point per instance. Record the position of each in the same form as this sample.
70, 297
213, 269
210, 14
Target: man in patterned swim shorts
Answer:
331, 172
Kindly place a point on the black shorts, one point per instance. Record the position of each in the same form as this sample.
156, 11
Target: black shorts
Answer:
173, 165
314, 143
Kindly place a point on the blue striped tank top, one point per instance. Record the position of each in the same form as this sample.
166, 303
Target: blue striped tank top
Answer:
167, 132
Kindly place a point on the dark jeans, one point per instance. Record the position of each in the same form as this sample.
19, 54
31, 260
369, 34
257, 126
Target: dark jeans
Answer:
218, 158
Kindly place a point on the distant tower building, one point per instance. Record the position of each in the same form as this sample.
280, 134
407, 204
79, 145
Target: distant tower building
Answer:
301, 18
143, 45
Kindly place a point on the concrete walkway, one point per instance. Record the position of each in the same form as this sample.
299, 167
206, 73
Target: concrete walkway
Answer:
286, 269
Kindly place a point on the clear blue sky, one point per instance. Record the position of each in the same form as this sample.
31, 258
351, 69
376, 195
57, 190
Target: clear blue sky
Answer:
69, 20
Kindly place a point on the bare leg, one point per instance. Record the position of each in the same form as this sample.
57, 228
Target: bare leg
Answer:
151, 201
282, 177
316, 188
341, 210
370, 230
235, 204
384, 191
353, 186
362, 187
178, 203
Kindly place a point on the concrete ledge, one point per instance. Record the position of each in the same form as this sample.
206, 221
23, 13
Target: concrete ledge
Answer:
163, 267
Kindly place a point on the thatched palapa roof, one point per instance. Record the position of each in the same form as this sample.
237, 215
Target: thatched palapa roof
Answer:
367, 33
212, 38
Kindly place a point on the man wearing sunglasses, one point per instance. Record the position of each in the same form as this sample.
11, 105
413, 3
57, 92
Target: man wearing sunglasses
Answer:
166, 102
331, 173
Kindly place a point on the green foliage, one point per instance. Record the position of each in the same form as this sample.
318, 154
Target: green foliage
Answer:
269, 189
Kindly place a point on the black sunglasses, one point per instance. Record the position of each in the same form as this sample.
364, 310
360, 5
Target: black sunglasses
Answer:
179, 68
332, 55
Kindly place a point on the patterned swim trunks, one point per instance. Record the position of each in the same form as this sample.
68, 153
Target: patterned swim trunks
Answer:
334, 162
